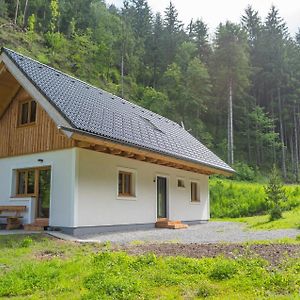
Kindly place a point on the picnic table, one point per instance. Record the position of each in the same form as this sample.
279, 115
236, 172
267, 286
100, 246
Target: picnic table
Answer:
14, 220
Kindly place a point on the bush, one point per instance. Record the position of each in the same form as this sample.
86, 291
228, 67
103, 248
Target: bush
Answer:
55, 40
26, 242
223, 269
206, 290
244, 172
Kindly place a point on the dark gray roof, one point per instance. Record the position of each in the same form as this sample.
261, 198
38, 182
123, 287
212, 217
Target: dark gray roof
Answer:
100, 113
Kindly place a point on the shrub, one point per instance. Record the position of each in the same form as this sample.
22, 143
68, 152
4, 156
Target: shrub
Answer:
206, 290
244, 172
26, 242
222, 270
55, 40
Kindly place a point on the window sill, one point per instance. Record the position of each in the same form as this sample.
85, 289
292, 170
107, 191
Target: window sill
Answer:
21, 197
126, 198
26, 125
195, 202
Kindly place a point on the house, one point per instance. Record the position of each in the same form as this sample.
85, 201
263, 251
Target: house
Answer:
83, 160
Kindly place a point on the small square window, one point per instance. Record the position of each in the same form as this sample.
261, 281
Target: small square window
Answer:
27, 113
180, 183
126, 184
195, 195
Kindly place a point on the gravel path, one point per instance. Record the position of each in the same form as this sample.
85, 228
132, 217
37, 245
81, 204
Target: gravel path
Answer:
212, 232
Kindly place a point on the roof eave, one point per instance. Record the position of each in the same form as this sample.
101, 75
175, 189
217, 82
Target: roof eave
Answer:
81, 134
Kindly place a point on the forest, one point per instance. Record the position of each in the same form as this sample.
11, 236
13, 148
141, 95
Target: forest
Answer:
236, 90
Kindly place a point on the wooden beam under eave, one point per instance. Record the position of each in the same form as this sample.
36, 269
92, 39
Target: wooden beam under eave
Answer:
83, 144
151, 160
142, 155
101, 148
115, 151
128, 154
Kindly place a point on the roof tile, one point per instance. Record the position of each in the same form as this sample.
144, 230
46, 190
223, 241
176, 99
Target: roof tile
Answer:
96, 111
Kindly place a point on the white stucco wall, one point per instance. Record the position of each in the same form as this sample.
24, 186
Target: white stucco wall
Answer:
84, 186
98, 202
62, 184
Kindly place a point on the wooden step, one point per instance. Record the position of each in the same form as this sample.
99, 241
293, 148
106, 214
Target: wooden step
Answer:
32, 227
178, 226
41, 222
165, 223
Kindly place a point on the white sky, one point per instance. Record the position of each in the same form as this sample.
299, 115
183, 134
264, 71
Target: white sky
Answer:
215, 11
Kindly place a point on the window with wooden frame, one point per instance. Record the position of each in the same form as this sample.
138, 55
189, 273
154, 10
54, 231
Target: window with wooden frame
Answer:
194, 192
180, 183
25, 182
27, 113
126, 184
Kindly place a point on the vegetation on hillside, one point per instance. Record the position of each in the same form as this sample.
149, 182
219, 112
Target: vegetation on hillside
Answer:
37, 267
237, 92
233, 199
290, 219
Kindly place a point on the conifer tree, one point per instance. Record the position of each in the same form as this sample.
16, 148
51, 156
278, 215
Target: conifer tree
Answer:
275, 195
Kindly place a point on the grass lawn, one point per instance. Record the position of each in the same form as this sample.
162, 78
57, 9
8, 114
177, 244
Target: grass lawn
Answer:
39, 267
291, 219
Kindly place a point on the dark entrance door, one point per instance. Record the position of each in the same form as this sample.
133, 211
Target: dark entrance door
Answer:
43, 203
161, 197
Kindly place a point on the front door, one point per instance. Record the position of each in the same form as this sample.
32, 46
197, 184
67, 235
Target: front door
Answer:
43, 197
161, 197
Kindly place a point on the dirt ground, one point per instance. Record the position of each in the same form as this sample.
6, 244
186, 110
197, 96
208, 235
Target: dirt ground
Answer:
274, 253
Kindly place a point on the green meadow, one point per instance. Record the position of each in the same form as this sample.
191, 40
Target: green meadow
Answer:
38, 267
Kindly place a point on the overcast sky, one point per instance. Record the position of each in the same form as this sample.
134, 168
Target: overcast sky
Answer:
215, 11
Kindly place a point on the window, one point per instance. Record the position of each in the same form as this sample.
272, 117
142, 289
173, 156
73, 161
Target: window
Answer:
126, 184
25, 182
194, 192
180, 183
27, 113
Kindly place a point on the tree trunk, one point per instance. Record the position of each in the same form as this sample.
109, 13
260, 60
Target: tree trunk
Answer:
296, 146
230, 125
291, 143
274, 130
283, 158
16, 12
25, 12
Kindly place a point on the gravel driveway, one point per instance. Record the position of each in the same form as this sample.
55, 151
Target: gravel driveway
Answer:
211, 232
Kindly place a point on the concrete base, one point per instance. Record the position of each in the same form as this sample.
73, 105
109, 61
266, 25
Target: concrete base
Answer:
86, 230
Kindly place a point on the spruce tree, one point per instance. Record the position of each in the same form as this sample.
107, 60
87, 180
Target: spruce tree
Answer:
275, 195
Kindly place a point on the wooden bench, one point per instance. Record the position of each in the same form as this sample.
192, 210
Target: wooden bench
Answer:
13, 221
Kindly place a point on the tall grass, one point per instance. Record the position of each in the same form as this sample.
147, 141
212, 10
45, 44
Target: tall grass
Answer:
235, 199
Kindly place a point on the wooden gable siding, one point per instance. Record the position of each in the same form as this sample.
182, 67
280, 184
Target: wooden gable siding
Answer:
39, 137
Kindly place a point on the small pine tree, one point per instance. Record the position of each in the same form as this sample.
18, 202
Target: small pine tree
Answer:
275, 195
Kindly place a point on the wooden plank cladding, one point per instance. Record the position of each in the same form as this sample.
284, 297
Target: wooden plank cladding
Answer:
41, 136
